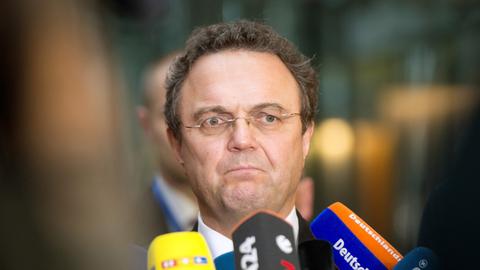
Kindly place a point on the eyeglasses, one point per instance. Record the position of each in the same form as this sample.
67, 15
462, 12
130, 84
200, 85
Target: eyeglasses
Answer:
219, 123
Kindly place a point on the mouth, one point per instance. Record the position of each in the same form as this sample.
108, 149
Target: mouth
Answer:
243, 168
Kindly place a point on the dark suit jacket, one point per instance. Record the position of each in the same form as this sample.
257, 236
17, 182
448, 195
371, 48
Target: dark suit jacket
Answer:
304, 233
450, 219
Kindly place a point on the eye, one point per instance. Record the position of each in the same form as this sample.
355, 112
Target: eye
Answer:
213, 122
267, 118
270, 118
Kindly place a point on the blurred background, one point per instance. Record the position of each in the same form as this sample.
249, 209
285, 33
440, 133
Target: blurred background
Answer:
399, 81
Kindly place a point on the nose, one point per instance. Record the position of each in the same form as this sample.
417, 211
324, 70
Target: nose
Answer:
242, 136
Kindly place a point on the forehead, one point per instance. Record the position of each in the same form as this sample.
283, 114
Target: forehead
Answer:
238, 80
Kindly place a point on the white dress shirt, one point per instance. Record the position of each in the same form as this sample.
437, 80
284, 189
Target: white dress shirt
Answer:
220, 244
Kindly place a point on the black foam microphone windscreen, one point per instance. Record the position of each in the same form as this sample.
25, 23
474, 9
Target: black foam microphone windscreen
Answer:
316, 255
264, 241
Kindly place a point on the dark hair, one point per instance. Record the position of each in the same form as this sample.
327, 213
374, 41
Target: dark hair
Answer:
240, 35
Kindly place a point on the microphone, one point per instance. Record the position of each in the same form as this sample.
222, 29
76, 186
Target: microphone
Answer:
179, 250
264, 241
225, 261
419, 258
316, 255
356, 246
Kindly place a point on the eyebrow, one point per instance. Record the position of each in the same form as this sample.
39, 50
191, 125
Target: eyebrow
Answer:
220, 109
215, 109
268, 105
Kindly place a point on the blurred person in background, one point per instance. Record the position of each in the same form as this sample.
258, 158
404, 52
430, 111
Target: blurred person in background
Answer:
450, 219
170, 199
240, 110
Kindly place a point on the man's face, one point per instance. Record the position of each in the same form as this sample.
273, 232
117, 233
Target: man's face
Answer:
243, 168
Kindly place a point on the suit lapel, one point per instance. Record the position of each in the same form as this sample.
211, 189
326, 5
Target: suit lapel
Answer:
304, 232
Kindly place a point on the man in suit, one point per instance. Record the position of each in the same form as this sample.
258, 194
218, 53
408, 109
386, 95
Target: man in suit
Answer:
240, 110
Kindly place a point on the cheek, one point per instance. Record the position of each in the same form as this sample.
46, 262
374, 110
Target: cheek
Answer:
284, 151
201, 160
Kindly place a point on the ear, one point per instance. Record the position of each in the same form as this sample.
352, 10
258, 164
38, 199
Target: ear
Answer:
306, 138
143, 119
176, 145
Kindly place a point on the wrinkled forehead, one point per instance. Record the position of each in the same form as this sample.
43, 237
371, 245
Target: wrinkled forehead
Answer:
239, 81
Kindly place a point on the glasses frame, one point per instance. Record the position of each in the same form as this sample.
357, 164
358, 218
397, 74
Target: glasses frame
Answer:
228, 123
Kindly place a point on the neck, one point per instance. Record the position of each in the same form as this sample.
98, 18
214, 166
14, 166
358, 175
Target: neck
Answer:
227, 221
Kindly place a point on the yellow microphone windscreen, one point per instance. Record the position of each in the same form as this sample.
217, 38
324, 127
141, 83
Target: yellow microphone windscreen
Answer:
179, 251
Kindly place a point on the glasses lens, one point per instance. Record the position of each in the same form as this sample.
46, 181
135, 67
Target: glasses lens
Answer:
214, 124
268, 120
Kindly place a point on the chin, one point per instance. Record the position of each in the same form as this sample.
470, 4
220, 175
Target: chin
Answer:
247, 204
246, 197
239, 213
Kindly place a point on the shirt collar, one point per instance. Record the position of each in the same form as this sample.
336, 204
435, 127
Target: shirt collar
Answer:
220, 244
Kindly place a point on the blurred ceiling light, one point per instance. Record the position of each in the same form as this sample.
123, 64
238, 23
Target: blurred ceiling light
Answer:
411, 104
334, 140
